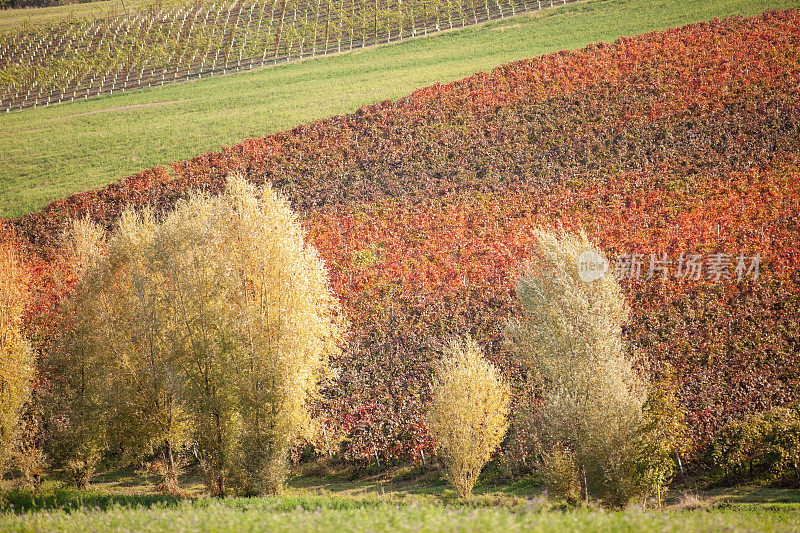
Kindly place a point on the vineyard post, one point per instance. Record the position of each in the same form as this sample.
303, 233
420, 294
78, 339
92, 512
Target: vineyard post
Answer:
303, 39
244, 43
352, 22
280, 29
450, 14
316, 25
258, 35
292, 32
341, 25
400, 19
327, 22
363, 21
271, 19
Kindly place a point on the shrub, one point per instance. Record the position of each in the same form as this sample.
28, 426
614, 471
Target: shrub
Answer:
29, 457
76, 410
210, 328
560, 475
784, 440
16, 357
691, 502
766, 442
571, 334
469, 412
663, 434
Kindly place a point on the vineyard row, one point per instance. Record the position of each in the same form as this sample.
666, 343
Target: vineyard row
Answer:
77, 60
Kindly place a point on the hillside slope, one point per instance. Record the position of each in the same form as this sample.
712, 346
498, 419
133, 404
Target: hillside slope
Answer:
682, 144
53, 152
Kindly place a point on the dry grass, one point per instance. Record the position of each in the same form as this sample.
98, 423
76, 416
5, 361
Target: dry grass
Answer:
689, 501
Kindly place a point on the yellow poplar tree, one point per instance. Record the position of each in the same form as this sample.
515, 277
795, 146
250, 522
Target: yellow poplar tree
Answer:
212, 328
592, 419
16, 357
469, 412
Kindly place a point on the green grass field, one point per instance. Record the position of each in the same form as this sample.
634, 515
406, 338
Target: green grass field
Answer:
379, 504
52, 152
270, 515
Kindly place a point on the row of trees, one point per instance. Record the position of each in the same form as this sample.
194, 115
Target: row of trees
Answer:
765, 442
208, 333
601, 429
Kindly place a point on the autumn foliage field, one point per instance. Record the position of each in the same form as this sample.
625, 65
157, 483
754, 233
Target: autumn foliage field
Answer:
677, 143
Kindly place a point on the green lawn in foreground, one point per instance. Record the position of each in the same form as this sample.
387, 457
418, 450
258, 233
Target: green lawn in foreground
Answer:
374, 512
416, 504
267, 514
51, 152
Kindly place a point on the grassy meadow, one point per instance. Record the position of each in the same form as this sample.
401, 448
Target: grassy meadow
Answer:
52, 152
385, 502
266, 515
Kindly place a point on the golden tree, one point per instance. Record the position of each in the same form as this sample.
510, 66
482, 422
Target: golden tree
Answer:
289, 323
77, 410
571, 333
215, 325
16, 357
469, 412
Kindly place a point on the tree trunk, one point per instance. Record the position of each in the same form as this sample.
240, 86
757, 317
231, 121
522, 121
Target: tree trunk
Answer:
170, 476
584, 485
220, 485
